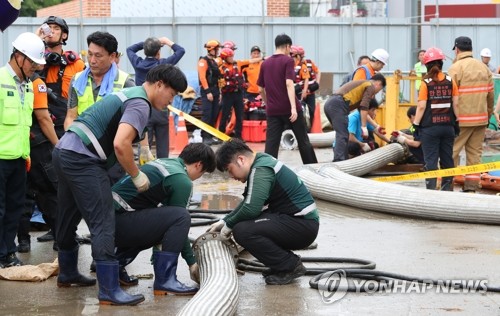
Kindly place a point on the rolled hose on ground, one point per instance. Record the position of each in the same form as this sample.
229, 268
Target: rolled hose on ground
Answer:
379, 276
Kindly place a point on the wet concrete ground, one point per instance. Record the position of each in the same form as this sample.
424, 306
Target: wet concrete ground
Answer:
439, 250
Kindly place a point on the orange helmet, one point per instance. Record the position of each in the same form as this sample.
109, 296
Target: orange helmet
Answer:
297, 50
212, 44
229, 44
432, 54
226, 52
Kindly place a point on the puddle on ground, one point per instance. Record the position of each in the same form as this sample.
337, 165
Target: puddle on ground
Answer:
202, 202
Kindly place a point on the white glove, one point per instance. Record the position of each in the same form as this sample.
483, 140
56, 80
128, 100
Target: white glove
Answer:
364, 131
401, 139
366, 148
216, 227
146, 155
194, 272
141, 181
226, 232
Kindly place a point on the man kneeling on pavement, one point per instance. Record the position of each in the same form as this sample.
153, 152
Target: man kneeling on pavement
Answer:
277, 213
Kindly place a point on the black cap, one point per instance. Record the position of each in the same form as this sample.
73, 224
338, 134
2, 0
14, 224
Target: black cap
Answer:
254, 48
463, 43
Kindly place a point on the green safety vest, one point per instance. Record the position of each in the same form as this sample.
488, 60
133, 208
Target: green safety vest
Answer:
15, 118
87, 99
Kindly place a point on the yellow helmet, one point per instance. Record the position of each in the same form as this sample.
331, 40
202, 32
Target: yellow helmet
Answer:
212, 44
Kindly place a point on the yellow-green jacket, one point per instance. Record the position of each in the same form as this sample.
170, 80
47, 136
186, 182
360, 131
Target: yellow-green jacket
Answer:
15, 118
87, 99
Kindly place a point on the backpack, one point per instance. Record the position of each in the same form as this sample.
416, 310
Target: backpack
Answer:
349, 77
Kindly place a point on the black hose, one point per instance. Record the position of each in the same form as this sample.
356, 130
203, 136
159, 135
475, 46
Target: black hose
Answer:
256, 266
210, 219
209, 211
364, 271
387, 277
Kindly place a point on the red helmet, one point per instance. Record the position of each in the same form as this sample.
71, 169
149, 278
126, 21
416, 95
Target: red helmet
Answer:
229, 44
212, 44
226, 52
432, 54
297, 50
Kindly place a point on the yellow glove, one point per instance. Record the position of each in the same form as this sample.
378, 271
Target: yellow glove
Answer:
145, 156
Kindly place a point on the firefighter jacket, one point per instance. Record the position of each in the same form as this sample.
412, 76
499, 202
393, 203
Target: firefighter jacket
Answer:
475, 87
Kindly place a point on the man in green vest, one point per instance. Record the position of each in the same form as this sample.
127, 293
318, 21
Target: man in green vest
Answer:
420, 69
277, 214
99, 137
16, 108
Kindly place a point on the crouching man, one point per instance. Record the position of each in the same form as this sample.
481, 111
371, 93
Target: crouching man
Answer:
277, 214
141, 223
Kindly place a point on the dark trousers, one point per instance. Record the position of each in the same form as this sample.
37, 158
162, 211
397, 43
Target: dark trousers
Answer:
275, 127
42, 182
143, 229
12, 195
158, 127
84, 191
210, 110
337, 111
310, 100
437, 146
271, 237
232, 100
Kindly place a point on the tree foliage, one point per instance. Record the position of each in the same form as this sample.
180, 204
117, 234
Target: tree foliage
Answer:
299, 8
28, 8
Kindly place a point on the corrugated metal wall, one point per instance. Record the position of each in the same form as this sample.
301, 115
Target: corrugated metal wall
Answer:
334, 44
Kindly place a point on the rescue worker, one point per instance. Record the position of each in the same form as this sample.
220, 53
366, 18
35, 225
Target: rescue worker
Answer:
353, 95
485, 58
405, 137
475, 88
101, 78
158, 123
141, 223
61, 66
229, 44
357, 145
435, 123
307, 79
277, 214
42, 180
378, 60
100, 136
209, 74
16, 106
232, 89
283, 108
251, 73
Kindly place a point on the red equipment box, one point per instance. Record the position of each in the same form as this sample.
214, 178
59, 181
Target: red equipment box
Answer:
254, 131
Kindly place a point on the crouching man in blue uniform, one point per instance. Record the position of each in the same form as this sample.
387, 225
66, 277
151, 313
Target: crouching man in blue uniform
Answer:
100, 136
277, 214
142, 224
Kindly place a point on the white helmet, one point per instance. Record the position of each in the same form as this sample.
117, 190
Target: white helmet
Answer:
381, 55
32, 46
486, 52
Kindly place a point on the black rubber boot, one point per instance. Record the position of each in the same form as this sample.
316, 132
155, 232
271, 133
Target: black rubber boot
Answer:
110, 292
125, 279
165, 266
68, 270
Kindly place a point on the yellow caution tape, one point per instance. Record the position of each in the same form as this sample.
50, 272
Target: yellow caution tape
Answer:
204, 126
443, 172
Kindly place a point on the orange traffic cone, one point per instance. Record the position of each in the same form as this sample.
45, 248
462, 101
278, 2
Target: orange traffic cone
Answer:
171, 133
316, 124
181, 137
